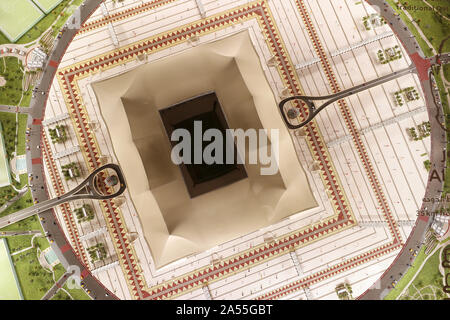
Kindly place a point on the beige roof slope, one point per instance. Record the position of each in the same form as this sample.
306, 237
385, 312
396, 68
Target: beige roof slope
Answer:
174, 224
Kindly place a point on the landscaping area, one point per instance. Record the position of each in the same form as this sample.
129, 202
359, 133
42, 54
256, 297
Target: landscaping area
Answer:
406, 95
85, 213
427, 164
21, 203
17, 17
427, 280
35, 28
389, 54
70, 171
70, 294
8, 122
420, 132
97, 252
9, 287
11, 70
344, 291
418, 261
6, 194
33, 278
372, 21
432, 24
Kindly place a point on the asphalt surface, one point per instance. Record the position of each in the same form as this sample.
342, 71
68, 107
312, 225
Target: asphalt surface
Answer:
59, 242
95, 288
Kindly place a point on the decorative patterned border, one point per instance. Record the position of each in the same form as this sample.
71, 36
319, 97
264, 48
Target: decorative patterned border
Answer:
58, 187
392, 225
343, 218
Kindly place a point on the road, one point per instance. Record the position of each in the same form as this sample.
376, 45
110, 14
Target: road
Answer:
85, 190
60, 244
437, 155
19, 233
422, 66
15, 109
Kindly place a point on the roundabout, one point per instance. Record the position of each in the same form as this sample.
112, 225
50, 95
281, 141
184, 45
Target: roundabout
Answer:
302, 256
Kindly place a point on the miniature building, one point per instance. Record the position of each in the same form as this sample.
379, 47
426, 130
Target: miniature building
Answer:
36, 58
375, 20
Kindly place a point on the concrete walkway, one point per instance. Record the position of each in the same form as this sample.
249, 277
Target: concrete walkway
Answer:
13, 109
58, 285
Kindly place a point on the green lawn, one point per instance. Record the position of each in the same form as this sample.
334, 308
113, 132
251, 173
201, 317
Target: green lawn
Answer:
428, 276
59, 271
42, 243
8, 121
6, 194
394, 293
23, 181
21, 137
3, 38
26, 99
446, 109
11, 93
5, 175
18, 16
447, 71
47, 5
77, 294
34, 280
63, 18
61, 295
9, 289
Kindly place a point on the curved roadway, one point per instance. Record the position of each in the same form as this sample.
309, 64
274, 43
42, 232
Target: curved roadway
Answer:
61, 245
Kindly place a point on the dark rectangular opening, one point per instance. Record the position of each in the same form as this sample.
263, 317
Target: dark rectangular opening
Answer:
202, 178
